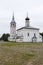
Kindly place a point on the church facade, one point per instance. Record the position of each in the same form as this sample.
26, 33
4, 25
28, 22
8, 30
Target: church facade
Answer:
24, 34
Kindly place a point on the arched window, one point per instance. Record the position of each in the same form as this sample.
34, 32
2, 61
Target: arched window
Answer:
34, 35
28, 34
13, 24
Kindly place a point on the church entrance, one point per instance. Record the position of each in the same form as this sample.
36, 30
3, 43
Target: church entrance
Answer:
34, 38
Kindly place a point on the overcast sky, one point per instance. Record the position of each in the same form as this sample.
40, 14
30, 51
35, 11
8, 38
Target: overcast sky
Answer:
20, 9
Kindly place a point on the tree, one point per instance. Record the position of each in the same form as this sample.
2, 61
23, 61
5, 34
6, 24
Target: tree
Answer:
42, 36
5, 37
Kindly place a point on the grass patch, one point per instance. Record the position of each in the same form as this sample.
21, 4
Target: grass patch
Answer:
12, 53
27, 56
8, 44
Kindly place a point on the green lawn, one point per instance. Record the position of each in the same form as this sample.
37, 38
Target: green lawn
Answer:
12, 53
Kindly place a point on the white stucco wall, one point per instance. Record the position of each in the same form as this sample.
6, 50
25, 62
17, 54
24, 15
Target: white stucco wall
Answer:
31, 32
27, 23
12, 31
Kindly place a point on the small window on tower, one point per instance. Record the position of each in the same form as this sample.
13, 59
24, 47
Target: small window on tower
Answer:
13, 24
28, 34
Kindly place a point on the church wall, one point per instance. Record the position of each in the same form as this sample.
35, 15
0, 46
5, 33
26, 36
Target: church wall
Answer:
12, 31
31, 32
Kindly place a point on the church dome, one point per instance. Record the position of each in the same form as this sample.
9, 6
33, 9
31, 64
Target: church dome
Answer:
27, 18
13, 21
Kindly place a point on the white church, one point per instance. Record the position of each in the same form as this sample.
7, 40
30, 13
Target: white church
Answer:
24, 34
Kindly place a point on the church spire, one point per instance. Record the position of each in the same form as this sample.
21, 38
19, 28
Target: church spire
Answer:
13, 20
27, 18
13, 16
27, 21
27, 14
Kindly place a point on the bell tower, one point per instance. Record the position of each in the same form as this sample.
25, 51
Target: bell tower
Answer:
13, 27
27, 21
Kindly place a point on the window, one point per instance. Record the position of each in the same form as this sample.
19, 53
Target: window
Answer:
28, 34
13, 24
34, 35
